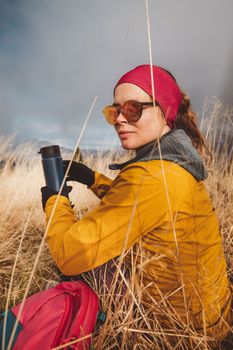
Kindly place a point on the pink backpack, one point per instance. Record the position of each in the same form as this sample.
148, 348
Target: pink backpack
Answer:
54, 317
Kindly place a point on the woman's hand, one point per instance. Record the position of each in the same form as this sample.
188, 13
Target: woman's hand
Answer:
79, 172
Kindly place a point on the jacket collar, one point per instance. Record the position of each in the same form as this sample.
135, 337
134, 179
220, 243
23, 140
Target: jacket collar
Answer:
176, 147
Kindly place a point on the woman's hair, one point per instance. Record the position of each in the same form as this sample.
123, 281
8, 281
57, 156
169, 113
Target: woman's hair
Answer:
186, 119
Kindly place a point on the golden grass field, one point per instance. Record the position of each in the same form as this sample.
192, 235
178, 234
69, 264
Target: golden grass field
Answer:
128, 324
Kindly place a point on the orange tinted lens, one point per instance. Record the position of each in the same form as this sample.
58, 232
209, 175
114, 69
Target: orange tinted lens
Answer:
132, 111
111, 114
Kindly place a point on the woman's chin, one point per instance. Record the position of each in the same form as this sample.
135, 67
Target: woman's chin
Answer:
127, 145
132, 144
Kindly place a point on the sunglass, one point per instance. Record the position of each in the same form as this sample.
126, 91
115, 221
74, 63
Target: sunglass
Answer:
131, 110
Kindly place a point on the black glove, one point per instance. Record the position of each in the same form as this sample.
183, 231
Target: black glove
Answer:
79, 172
47, 192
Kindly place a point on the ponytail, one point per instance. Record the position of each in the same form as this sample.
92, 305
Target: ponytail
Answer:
186, 120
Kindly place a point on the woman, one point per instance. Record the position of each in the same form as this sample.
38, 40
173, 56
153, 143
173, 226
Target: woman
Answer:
157, 200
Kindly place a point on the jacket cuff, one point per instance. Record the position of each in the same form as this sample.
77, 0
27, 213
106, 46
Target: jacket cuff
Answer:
101, 185
51, 201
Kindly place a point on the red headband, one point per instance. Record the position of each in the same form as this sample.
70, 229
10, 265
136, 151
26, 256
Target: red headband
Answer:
166, 90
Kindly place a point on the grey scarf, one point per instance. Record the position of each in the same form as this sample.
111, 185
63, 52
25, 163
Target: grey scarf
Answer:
176, 147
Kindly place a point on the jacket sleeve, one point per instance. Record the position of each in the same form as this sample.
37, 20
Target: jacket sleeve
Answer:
101, 185
123, 216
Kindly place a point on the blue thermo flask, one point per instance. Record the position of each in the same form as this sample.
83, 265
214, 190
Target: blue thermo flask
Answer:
52, 167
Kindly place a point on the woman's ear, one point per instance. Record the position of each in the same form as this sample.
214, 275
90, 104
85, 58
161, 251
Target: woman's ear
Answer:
161, 115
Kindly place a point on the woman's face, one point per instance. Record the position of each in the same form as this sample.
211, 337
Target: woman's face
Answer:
149, 127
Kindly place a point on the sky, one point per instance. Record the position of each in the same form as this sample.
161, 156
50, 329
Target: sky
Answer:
57, 55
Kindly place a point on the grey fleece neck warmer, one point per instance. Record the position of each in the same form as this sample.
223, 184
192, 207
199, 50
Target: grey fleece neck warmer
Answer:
176, 147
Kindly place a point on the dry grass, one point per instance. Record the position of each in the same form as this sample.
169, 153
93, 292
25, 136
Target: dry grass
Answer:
129, 325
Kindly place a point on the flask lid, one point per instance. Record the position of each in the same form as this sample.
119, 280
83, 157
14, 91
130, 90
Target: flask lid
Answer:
50, 151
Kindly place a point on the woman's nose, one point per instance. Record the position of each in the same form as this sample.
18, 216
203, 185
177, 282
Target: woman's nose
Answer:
121, 119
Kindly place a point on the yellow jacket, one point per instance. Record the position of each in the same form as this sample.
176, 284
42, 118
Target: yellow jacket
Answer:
181, 234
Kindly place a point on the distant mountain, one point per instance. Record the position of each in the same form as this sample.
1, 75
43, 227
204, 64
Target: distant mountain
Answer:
17, 151
38, 144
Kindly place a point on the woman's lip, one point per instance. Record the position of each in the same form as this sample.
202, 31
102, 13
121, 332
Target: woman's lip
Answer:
125, 132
